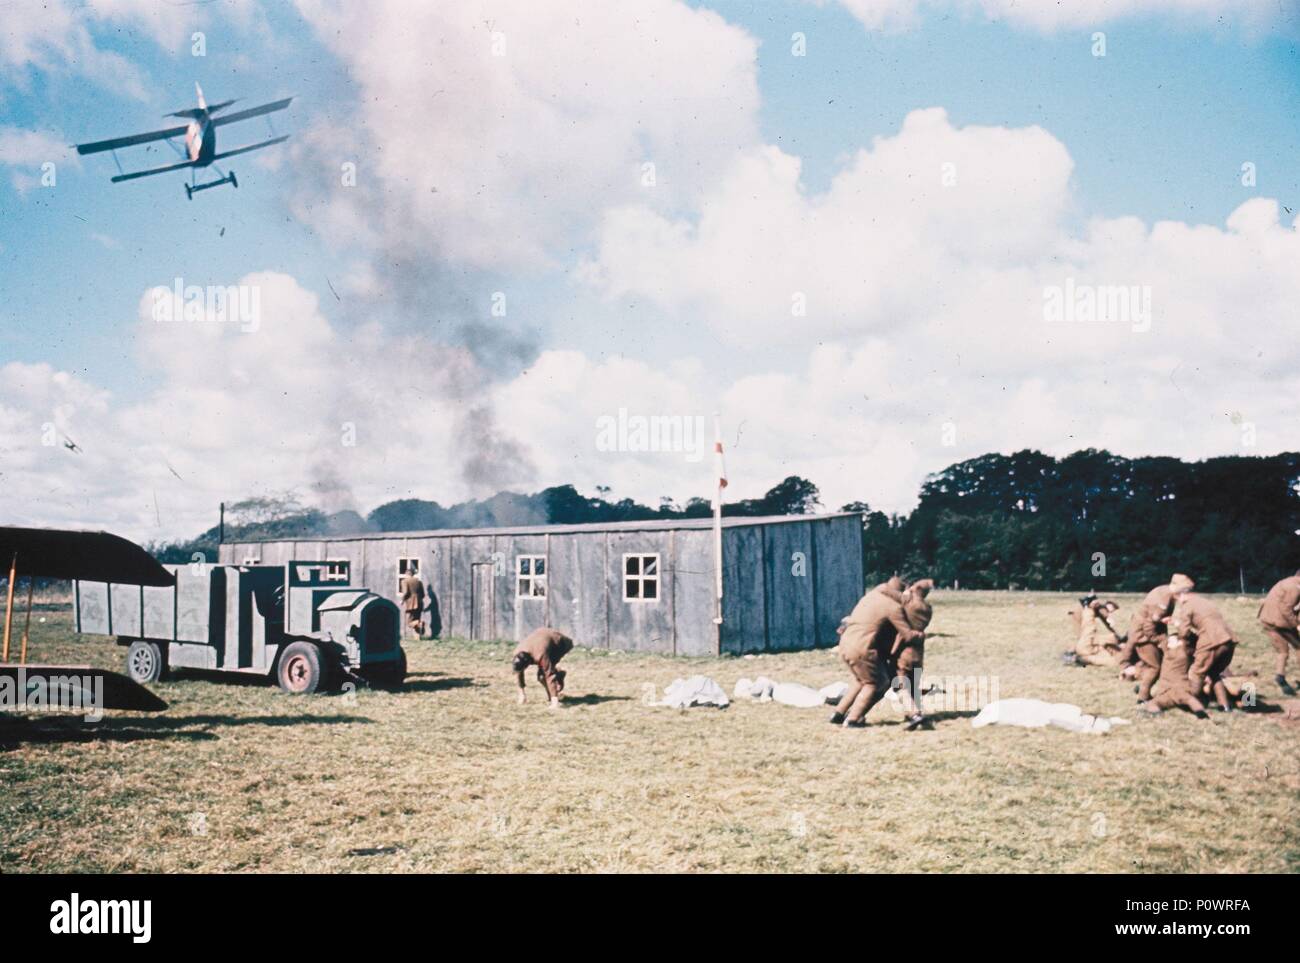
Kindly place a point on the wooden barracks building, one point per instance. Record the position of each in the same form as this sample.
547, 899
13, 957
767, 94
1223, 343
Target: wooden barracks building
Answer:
636, 586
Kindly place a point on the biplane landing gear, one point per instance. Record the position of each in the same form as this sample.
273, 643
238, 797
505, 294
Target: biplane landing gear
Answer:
192, 189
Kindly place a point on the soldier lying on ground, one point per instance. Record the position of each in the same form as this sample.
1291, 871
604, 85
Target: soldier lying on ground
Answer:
1098, 642
1173, 688
544, 649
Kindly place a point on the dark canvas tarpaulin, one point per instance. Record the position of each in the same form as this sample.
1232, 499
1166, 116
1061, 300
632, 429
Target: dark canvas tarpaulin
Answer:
90, 556
82, 686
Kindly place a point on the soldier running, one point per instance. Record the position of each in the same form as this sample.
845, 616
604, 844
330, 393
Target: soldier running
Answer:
544, 649
1279, 618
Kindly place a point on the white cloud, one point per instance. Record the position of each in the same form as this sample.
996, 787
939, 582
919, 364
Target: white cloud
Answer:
492, 134
288, 402
26, 152
1050, 15
926, 306
59, 36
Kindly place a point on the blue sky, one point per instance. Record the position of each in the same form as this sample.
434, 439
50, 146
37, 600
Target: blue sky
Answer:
1157, 130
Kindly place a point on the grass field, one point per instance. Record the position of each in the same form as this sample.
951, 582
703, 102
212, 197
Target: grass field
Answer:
451, 775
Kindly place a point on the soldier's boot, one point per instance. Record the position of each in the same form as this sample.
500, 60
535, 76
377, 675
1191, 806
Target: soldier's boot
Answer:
837, 718
916, 721
1286, 687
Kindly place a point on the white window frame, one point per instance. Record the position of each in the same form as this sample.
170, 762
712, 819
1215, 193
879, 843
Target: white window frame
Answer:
402, 574
252, 560
534, 580
331, 573
640, 576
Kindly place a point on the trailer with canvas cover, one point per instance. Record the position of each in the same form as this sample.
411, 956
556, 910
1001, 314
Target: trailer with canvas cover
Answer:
302, 623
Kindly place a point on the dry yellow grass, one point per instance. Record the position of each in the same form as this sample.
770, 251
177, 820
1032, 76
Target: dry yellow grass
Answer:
451, 775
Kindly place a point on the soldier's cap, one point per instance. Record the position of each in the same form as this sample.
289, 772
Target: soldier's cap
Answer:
1181, 583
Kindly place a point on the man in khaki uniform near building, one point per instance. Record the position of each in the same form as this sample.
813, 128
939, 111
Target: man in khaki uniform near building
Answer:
1197, 616
908, 676
413, 599
544, 648
1149, 629
1279, 618
866, 645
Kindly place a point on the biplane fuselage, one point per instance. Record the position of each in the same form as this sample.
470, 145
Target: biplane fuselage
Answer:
201, 142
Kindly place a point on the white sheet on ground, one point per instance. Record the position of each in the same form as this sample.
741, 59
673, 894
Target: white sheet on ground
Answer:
794, 694
1035, 713
698, 690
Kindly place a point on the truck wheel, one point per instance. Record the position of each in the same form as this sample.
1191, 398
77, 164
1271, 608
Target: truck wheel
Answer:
144, 661
301, 670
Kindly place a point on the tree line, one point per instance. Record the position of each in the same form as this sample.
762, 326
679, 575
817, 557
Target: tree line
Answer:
1090, 520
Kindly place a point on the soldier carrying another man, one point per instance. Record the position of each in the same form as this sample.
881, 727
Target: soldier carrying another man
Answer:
867, 646
1148, 630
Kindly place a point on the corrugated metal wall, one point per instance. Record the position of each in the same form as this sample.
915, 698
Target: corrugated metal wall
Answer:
786, 585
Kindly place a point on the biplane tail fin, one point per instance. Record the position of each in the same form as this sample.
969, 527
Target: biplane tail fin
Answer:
194, 113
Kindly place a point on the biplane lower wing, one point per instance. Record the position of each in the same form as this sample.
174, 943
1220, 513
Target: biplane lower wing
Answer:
244, 150
156, 170
78, 687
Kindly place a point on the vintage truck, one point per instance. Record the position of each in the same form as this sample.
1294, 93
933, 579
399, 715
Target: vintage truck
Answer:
302, 624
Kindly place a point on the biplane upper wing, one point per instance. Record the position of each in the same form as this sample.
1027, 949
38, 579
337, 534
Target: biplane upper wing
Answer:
154, 170
252, 112
244, 150
116, 142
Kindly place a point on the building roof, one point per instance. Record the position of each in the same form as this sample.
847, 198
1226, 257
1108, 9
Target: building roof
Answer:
648, 525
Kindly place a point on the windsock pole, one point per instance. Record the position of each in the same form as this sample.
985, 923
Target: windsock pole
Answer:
717, 527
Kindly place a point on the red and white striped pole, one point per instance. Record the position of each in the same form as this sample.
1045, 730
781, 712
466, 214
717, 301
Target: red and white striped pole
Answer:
717, 525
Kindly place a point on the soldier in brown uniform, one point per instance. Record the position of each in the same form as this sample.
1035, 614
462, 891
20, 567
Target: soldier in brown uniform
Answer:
1278, 616
1098, 641
1148, 630
413, 599
1173, 687
1197, 616
544, 649
908, 674
866, 645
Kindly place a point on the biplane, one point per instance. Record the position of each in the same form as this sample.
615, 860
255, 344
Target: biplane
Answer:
200, 142
62, 554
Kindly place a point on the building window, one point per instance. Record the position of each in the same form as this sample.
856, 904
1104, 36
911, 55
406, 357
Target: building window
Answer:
406, 565
336, 569
531, 576
640, 578
251, 560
